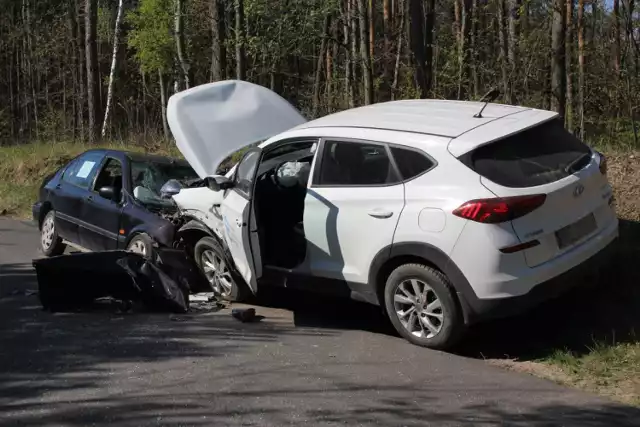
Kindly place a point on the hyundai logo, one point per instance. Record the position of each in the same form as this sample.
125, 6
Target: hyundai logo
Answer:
577, 192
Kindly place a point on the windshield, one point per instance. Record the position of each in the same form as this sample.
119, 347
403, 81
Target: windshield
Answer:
148, 177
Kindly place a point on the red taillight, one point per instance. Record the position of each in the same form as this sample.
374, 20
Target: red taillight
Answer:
491, 211
602, 163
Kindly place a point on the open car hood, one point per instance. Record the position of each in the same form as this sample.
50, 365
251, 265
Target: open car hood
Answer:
212, 121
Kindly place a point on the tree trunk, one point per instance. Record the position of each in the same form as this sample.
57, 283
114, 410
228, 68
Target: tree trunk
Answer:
364, 51
354, 48
396, 69
514, 14
616, 37
372, 39
568, 48
416, 44
82, 68
318, 76
90, 19
179, 35
112, 73
429, 29
558, 77
473, 49
346, 28
504, 50
241, 67
218, 47
163, 101
387, 54
581, 66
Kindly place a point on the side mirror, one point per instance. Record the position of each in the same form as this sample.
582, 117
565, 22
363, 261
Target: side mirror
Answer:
109, 193
170, 188
218, 182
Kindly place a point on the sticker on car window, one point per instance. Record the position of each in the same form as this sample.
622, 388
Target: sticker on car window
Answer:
86, 169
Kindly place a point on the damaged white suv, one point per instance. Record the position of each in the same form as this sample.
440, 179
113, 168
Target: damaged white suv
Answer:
443, 213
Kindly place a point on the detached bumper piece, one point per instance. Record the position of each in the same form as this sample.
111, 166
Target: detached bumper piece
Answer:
73, 282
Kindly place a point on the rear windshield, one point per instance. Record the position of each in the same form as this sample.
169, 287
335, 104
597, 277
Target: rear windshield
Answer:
537, 156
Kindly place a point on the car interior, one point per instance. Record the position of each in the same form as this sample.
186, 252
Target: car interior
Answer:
110, 176
281, 187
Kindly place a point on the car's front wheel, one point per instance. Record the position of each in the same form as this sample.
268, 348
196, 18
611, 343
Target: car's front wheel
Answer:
50, 242
422, 306
141, 244
216, 267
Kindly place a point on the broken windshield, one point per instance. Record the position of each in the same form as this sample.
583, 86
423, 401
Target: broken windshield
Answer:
148, 177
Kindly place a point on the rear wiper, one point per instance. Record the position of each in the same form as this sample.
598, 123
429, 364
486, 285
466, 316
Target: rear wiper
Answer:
570, 166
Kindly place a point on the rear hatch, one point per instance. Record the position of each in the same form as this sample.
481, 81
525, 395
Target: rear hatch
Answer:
547, 160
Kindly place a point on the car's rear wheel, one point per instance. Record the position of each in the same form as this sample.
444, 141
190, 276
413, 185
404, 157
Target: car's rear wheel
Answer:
50, 242
141, 244
217, 269
422, 306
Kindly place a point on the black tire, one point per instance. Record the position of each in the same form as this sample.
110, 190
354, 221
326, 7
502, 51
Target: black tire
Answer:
141, 244
50, 244
225, 284
449, 330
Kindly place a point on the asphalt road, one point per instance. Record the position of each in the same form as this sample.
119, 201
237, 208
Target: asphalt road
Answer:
309, 361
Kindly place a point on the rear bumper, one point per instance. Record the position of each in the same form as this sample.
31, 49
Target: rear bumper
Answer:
484, 309
35, 212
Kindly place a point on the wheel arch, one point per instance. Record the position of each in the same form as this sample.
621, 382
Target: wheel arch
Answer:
398, 254
193, 230
47, 207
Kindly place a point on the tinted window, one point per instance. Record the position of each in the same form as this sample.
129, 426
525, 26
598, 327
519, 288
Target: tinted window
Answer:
353, 163
410, 162
110, 176
537, 156
82, 171
246, 172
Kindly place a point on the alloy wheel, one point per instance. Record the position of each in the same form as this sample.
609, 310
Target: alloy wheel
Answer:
217, 273
47, 233
418, 308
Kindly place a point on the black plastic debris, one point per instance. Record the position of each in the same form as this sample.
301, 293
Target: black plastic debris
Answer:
75, 281
244, 314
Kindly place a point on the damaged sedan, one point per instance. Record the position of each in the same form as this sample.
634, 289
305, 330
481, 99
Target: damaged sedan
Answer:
110, 199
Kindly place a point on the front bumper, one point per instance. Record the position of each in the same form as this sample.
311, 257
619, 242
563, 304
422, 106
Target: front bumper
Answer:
484, 309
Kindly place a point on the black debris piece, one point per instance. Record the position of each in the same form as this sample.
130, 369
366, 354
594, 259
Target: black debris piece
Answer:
73, 282
244, 314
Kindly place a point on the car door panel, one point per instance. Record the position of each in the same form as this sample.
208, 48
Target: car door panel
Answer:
236, 217
100, 222
352, 208
346, 227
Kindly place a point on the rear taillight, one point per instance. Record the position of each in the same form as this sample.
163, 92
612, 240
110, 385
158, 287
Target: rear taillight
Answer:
491, 211
602, 162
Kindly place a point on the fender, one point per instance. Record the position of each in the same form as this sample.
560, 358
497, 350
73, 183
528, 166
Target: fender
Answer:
195, 224
438, 259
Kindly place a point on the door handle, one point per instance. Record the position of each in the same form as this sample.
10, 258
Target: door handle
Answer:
379, 213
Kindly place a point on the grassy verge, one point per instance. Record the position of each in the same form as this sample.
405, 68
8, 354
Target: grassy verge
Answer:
588, 339
23, 167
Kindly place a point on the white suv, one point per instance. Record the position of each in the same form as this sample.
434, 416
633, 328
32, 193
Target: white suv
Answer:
439, 214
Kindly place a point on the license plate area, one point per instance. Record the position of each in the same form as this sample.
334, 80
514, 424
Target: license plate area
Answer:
573, 233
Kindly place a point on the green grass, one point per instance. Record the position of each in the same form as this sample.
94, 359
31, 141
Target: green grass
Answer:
611, 369
23, 167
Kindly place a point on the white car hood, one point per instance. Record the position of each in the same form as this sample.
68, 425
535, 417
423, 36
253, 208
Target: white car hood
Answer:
212, 121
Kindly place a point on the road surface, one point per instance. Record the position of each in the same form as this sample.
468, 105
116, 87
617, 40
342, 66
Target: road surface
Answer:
310, 361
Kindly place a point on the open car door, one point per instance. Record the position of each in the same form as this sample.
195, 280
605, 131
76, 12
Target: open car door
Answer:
238, 222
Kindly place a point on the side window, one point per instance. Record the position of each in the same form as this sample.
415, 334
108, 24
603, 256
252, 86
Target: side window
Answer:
110, 176
355, 163
246, 171
410, 162
82, 171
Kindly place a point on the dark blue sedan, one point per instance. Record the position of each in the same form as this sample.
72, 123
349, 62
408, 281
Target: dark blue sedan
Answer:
109, 199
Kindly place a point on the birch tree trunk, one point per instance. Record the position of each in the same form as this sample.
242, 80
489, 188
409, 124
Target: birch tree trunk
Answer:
179, 35
114, 62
